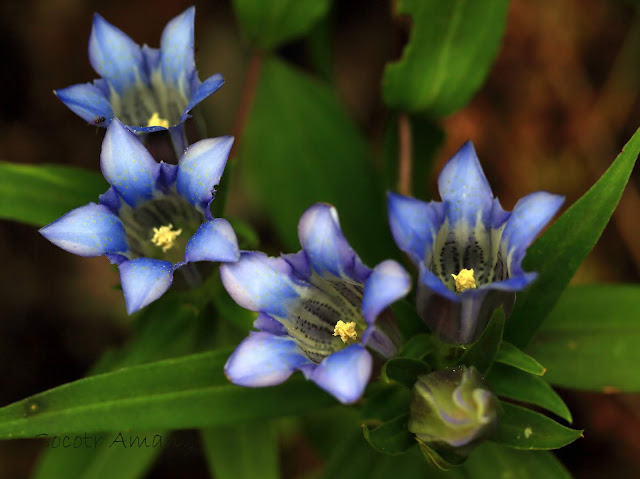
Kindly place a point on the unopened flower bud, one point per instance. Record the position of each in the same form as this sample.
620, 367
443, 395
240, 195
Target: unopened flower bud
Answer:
453, 407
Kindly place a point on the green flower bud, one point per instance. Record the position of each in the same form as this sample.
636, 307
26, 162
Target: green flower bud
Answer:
453, 408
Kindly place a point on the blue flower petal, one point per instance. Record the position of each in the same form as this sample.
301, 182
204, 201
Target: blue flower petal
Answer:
344, 374
168, 175
200, 170
515, 283
215, 240
151, 59
115, 56
176, 47
414, 224
388, 283
436, 285
260, 283
266, 323
464, 186
88, 102
530, 215
325, 245
111, 200
263, 359
206, 88
127, 165
300, 264
91, 230
144, 280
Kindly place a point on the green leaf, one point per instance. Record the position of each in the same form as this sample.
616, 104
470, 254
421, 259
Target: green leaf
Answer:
315, 153
451, 49
242, 451
404, 370
168, 327
509, 354
515, 384
352, 458
189, 392
557, 254
391, 437
384, 402
39, 194
270, 23
100, 461
522, 428
491, 461
597, 328
482, 353
417, 347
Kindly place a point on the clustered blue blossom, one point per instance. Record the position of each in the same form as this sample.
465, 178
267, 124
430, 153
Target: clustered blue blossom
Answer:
321, 311
147, 89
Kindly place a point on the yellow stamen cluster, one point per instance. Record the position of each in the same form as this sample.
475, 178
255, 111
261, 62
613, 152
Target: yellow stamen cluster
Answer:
155, 120
464, 280
165, 236
346, 331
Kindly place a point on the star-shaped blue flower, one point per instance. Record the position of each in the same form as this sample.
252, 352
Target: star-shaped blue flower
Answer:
468, 250
154, 219
148, 89
320, 309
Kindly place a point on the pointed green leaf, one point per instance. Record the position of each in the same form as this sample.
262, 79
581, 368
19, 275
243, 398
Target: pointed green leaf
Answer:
270, 23
39, 194
522, 428
312, 153
509, 354
515, 384
404, 370
597, 327
491, 461
557, 254
242, 451
391, 437
482, 353
451, 49
188, 392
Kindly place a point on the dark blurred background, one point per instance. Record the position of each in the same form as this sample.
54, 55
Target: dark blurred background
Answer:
559, 103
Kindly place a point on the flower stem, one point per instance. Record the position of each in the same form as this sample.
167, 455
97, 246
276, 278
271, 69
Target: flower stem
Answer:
404, 154
246, 102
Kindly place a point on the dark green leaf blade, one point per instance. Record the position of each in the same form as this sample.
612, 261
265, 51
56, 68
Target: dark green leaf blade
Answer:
491, 461
451, 49
316, 154
391, 437
515, 384
557, 254
270, 23
189, 392
522, 428
39, 194
242, 451
597, 327
512, 356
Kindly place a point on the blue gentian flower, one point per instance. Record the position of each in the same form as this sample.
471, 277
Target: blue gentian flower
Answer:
148, 89
320, 309
468, 250
155, 217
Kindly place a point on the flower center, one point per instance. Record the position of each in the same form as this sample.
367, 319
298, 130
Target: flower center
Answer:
346, 331
165, 236
161, 227
156, 104
464, 280
155, 120
326, 317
